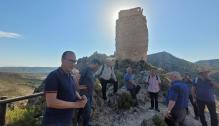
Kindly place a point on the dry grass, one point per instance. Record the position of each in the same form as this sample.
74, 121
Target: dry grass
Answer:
13, 84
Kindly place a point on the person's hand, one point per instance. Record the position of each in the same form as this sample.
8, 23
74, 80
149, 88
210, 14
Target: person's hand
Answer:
83, 97
194, 100
82, 87
81, 103
168, 115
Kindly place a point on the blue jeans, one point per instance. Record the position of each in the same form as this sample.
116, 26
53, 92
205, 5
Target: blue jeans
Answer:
87, 111
58, 124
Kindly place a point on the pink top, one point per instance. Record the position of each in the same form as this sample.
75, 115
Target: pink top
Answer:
154, 85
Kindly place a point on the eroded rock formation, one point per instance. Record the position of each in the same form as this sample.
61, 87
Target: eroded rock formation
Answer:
131, 35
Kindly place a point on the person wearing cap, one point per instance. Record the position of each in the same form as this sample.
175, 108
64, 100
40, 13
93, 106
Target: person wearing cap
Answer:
203, 94
87, 80
177, 100
60, 94
107, 75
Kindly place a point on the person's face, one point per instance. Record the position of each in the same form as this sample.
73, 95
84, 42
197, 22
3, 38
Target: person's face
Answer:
69, 62
129, 70
153, 72
204, 74
95, 67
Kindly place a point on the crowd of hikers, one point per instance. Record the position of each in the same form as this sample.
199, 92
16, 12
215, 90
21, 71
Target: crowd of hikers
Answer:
68, 89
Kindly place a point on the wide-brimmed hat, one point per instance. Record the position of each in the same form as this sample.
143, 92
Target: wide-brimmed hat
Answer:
203, 70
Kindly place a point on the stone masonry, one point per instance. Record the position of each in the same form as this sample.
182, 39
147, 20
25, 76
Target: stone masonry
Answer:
131, 35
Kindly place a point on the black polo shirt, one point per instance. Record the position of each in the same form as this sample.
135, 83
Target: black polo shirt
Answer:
62, 83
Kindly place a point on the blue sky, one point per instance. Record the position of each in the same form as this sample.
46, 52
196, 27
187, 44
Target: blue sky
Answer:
36, 32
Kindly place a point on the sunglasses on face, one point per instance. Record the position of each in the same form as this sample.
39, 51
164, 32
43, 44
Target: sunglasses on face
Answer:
71, 61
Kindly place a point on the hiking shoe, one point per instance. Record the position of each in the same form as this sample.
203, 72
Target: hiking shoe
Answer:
157, 110
196, 118
151, 108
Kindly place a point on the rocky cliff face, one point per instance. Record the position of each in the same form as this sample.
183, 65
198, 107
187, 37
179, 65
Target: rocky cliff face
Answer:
131, 35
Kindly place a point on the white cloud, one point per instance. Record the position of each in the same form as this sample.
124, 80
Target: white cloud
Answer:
9, 35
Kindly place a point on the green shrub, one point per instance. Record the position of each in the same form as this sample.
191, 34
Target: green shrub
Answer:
158, 121
120, 79
22, 117
125, 101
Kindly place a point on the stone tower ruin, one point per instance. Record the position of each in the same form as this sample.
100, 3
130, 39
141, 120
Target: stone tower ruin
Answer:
131, 35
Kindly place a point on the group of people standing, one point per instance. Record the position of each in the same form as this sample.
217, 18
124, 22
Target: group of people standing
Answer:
200, 92
66, 90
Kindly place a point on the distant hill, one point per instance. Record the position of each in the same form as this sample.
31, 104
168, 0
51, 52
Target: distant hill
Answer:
15, 84
214, 63
27, 69
169, 62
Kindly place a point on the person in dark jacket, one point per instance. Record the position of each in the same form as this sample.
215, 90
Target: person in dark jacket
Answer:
203, 94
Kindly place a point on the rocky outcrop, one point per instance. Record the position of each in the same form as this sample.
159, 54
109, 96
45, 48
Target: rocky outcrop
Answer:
131, 35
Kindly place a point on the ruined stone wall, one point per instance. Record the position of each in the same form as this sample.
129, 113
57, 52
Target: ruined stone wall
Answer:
131, 35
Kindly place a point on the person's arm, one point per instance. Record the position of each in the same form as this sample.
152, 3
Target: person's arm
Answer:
53, 102
132, 82
193, 94
146, 81
82, 87
159, 81
51, 87
173, 94
216, 85
98, 72
113, 74
171, 104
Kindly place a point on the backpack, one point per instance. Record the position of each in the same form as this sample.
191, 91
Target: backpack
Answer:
157, 78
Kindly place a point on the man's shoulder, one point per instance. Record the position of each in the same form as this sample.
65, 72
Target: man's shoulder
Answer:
85, 69
54, 73
179, 84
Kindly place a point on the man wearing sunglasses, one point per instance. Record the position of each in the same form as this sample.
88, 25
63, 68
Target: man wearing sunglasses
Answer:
60, 94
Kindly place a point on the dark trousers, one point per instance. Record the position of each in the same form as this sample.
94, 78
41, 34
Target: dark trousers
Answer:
58, 124
194, 105
104, 86
177, 117
86, 112
134, 91
154, 99
212, 109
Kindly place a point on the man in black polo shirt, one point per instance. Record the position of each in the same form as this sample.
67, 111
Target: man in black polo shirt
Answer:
60, 94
